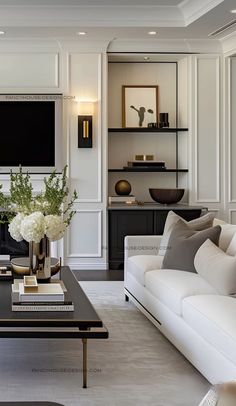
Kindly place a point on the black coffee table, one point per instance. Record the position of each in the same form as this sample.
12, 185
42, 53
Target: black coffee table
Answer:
83, 322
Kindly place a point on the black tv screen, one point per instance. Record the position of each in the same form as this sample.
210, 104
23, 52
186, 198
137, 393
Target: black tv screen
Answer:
27, 133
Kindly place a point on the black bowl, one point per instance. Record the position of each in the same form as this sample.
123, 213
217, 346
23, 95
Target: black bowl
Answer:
166, 196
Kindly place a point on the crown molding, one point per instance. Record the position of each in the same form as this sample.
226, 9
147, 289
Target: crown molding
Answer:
192, 9
165, 46
229, 44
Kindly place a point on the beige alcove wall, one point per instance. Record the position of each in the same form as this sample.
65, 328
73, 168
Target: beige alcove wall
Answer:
169, 73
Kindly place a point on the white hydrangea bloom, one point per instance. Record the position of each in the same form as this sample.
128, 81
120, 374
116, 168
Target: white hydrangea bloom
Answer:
54, 227
33, 227
15, 227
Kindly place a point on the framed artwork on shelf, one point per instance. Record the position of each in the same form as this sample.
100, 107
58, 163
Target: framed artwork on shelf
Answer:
139, 105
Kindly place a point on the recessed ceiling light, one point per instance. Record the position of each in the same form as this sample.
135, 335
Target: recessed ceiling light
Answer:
233, 11
152, 32
2, 32
81, 33
146, 58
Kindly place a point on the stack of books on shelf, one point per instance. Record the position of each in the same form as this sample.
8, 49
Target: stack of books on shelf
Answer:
29, 296
130, 199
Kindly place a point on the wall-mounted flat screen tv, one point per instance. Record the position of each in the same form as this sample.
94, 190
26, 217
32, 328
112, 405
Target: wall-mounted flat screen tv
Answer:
31, 132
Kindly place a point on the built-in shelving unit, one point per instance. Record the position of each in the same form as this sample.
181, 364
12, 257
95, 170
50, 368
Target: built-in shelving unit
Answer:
146, 130
176, 170
168, 144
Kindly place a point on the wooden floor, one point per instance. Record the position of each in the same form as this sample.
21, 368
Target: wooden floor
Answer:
100, 275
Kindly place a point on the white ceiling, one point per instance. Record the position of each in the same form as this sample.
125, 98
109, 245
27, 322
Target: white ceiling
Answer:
90, 2
109, 19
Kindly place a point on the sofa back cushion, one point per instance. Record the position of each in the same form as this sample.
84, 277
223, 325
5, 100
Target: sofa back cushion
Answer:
201, 223
183, 245
216, 267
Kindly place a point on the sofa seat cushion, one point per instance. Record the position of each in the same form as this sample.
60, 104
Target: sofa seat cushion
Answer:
172, 286
138, 265
213, 317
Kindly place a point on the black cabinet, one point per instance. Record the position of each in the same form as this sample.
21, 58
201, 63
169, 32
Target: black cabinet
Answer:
138, 222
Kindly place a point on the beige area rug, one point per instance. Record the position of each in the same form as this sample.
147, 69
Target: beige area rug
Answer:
136, 366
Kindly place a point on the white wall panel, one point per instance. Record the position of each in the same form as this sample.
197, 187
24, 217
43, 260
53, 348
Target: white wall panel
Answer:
207, 129
85, 234
29, 70
232, 131
84, 79
232, 216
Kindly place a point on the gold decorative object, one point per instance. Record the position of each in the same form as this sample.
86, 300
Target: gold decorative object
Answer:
21, 266
139, 157
123, 188
149, 157
40, 259
143, 157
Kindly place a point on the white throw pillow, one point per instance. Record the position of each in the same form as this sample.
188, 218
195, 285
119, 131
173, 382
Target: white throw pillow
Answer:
216, 267
227, 233
198, 224
231, 250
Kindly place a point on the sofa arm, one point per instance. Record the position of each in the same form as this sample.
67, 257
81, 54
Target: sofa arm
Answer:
141, 245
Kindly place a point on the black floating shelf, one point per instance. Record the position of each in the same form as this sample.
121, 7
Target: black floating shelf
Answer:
146, 130
147, 170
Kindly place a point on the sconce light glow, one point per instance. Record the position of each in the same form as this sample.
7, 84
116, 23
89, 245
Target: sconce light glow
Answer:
85, 107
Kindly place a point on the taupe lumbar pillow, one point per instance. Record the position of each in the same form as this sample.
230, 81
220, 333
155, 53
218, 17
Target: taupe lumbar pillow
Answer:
183, 245
216, 267
200, 223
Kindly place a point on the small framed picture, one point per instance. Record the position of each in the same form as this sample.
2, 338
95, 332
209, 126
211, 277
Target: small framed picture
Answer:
139, 105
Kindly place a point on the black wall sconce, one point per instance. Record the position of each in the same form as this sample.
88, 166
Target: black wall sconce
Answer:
85, 131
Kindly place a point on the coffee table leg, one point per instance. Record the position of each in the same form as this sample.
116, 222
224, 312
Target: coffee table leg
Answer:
84, 341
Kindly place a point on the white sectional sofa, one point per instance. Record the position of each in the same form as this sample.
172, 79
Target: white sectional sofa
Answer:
184, 307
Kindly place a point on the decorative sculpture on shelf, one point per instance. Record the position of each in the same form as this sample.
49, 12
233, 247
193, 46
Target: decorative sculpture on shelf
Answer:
141, 113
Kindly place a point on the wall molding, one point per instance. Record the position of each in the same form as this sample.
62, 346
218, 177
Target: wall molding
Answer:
208, 46
26, 59
231, 211
230, 133
196, 130
97, 129
77, 266
228, 44
97, 254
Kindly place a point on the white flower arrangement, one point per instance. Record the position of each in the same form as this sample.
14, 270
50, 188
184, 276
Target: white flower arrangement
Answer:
54, 227
31, 217
15, 227
33, 227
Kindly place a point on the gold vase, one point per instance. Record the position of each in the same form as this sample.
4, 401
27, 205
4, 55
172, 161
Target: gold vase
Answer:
40, 259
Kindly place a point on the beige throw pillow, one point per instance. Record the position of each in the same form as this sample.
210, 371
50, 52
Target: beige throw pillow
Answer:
216, 267
198, 224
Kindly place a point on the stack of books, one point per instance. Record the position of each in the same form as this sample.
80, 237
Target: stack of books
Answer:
29, 296
130, 199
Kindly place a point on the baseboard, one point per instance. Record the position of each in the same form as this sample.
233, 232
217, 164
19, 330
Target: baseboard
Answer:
88, 266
